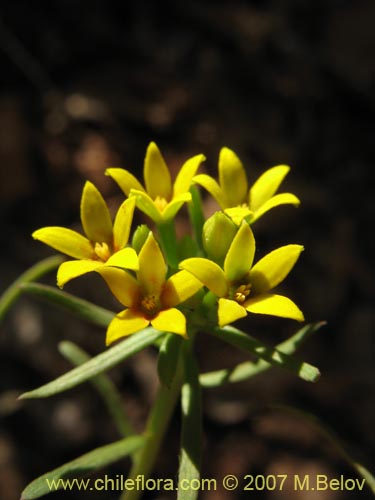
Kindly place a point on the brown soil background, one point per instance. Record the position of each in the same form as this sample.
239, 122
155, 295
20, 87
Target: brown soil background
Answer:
87, 85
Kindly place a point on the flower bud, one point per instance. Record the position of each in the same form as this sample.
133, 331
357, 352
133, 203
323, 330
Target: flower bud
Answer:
139, 237
218, 234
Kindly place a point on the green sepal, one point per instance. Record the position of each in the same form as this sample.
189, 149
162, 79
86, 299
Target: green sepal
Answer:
168, 358
83, 465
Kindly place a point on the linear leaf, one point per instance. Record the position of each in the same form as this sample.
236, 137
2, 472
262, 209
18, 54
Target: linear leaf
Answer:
85, 464
98, 364
191, 437
270, 354
168, 358
79, 307
248, 369
12, 293
103, 384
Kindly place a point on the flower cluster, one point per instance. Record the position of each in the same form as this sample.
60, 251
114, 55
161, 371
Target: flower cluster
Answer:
165, 282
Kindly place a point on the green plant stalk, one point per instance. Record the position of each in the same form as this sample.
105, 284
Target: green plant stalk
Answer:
156, 427
168, 240
12, 293
196, 217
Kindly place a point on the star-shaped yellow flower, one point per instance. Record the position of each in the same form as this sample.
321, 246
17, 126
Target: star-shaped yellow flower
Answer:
150, 297
159, 199
242, 288
104, 243
233, 194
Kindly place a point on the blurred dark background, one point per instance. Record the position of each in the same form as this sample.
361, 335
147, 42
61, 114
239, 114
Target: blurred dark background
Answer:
87, 85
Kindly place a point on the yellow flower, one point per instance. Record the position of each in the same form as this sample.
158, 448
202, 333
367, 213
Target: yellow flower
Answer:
159, 199
242, 288
233, 194
149, 298
104, 243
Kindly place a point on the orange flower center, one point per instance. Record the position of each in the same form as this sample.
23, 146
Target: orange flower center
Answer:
102, 251
150, 305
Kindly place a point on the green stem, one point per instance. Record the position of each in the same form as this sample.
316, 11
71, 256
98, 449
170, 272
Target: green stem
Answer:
156, 427
168, 239
196, 217
37, 271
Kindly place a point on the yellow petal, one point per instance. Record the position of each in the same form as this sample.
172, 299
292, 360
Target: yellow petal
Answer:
123, 286
95, 217
74, 268
125, 180
240, 255
174, 206
179, 288
208, 273
65, 241
156, 174
170, 320
212, 187
124, 324
274, 305
229, 311
147, 206
278, 199
266, 186
232, 178
185, 176
122, 223
152, 267
273, 268
126, 258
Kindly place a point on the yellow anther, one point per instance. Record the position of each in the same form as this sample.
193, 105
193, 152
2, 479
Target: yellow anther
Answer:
241, 293
102, 251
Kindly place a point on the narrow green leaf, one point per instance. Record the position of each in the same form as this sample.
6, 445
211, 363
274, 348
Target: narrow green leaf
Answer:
83, 465
168, 358
248, 369
270, 354
37, 271
191, 437
79, 307
99, 364
103, 384
331, 436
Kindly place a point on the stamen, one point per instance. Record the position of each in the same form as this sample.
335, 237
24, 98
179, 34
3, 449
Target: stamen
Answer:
241, 293
149, 304
102, 251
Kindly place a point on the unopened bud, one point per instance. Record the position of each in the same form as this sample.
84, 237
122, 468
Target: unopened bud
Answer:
218, 233
139, 237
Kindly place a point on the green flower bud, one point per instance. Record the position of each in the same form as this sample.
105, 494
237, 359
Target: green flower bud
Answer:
218, 233
139, 237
